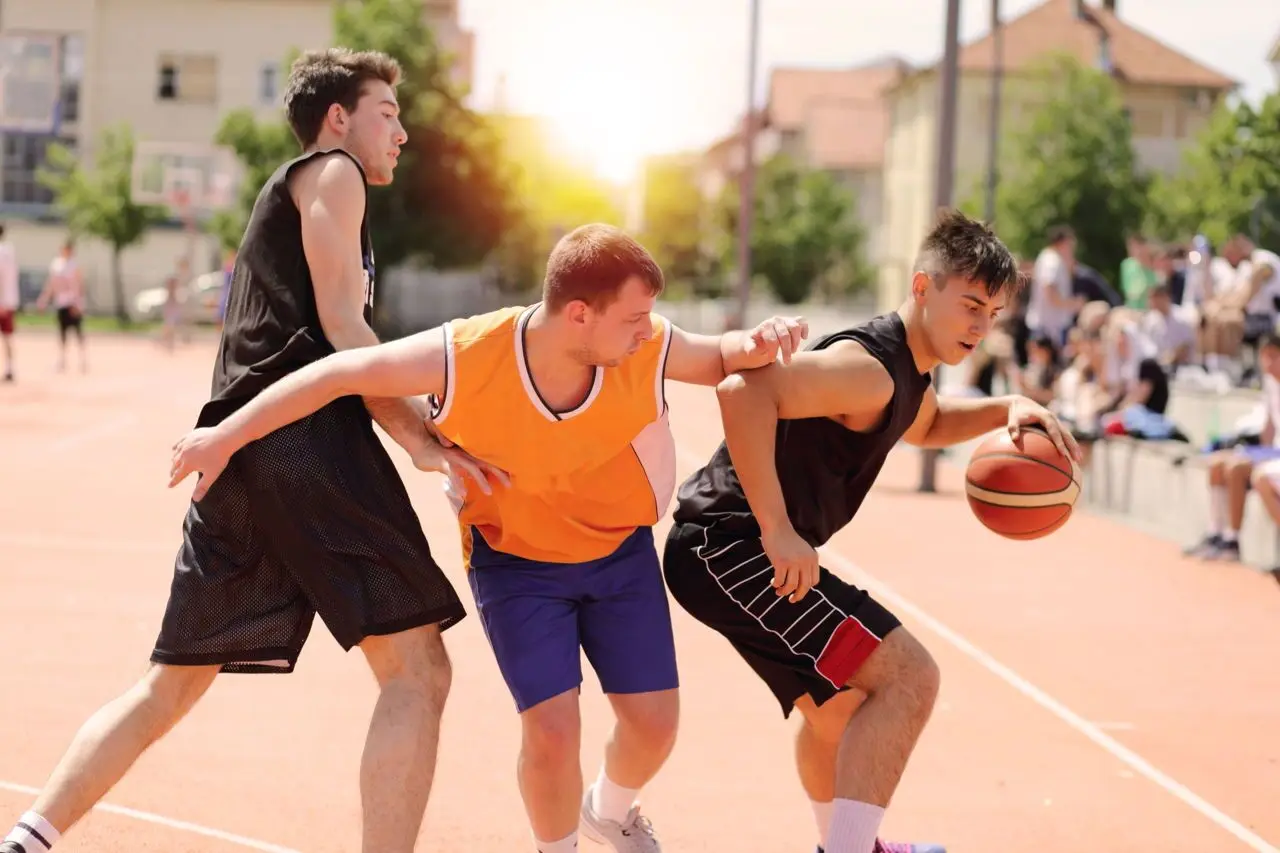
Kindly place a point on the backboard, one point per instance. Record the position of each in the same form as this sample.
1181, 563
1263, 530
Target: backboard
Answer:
30, 81
189, 179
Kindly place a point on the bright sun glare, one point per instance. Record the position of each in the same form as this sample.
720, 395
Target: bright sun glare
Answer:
605, 96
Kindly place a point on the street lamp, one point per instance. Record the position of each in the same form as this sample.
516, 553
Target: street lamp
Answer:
945, 175
747, 208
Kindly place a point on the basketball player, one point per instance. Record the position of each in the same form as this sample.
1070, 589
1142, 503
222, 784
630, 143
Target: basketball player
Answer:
64, 287
566, 396
313, 518
804, 442
9, 300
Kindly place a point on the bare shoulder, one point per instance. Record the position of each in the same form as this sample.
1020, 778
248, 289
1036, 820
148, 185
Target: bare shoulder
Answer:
333, 176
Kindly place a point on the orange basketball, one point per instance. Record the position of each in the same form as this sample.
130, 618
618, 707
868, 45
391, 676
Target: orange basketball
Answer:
1024, 490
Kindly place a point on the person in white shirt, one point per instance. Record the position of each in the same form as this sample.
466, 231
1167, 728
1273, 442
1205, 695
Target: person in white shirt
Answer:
1051, 306
1173, 336
1245, 309
9, 299
65, 289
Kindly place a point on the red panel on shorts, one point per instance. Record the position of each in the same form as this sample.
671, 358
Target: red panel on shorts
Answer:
850, 645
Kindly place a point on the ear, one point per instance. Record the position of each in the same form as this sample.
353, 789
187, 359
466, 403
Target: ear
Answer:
336, 117
920, 283
577, 311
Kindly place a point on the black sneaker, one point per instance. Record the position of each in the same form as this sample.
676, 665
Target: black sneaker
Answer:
1206, 547
1228, 551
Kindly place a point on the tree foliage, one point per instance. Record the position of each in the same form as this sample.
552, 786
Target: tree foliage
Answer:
98, 202
1229, 181
805, 233
1073, 163
673, 214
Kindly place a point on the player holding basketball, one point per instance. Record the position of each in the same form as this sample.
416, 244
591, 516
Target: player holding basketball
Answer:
313, 517
566, 396
804, 442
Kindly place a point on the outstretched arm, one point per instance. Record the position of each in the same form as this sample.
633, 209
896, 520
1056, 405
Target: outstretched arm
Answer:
840, 381
707, 359
330, 195
944, 421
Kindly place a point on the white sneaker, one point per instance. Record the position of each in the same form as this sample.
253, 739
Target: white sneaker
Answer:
633, 835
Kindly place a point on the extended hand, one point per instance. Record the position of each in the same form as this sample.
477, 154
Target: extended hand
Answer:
442, 455
1026, 411
773, 336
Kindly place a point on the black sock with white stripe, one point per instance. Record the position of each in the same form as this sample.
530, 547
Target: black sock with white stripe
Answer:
33, 834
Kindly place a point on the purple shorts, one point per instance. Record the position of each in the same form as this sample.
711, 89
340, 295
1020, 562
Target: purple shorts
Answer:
1257, 453
540, 617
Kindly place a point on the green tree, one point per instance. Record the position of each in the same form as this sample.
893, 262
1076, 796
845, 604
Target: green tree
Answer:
805, 233
1073, 163
673, 214
99, 202
451, 202
1229, 181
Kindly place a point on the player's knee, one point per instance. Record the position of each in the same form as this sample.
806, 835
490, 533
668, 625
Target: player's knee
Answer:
1240, 469
414, 659
167, 693
903, 669
650, 718
551, 731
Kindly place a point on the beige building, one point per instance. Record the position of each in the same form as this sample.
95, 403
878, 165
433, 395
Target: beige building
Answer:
831, 119
1169, 96
171, 69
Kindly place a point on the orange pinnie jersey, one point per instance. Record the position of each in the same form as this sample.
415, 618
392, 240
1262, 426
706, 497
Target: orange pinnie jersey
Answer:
581, 481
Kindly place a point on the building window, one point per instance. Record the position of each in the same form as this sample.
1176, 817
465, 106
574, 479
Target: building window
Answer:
24, 155
269, 83
72, 76
187, 79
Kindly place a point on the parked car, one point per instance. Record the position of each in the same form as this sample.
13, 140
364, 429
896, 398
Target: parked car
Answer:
199, 298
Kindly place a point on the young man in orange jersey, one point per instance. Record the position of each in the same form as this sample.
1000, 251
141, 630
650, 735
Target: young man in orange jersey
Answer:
566, 397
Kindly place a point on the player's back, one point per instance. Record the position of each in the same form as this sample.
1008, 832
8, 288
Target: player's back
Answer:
272, 325
825, 469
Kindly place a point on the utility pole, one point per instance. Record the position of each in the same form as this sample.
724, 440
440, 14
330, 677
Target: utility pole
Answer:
747, 206
945, 175
993, 142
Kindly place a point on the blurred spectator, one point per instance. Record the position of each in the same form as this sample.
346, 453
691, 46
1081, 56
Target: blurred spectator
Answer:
1174, 337
1051, 306
1243, 310
1137, 277
1038, 380
1091, 286
1230, 469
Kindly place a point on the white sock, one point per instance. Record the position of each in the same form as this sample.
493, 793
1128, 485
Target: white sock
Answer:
34, 833
853, 827
1231, 535
822, 815
1217, 510
611, 801
568, 844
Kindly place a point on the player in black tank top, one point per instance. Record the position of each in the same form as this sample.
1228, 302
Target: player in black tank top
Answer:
804, 443
312, 519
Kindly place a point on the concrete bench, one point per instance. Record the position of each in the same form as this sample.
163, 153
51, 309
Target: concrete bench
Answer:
1163, 488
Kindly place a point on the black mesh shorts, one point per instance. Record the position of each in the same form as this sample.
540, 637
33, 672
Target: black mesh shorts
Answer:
811, 647
312, 518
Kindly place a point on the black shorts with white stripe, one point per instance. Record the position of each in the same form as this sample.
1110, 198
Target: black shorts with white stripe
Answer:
810, 647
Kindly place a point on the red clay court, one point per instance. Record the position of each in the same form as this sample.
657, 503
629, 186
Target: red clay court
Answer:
1099, 692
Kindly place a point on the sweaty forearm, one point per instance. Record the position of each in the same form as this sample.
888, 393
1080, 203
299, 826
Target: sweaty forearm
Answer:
402, 418
960, 419
750, 432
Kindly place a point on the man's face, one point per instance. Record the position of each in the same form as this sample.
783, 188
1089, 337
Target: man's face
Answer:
610, 334
374, 132
957, 316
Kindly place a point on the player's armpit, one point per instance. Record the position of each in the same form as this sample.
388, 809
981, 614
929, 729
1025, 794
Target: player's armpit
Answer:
841, 380
330, 195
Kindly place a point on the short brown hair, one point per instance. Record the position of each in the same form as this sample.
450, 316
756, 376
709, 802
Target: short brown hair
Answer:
962, 247
335, 75
592, 263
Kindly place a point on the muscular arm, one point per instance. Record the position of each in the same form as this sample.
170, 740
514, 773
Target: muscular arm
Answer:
842, 380
704, 359
945, 421
331, 200
410, 366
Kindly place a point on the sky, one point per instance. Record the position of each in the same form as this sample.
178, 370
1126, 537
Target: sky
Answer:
622, 79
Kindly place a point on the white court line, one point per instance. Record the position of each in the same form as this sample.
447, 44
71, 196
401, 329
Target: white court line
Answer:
1109, 744
171, 823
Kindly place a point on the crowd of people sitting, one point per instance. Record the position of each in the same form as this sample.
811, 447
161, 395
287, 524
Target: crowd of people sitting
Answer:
1105, 358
